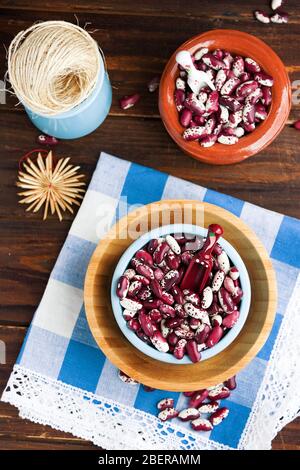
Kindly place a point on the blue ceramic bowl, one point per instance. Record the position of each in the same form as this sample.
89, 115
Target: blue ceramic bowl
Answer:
82, 119
123, 264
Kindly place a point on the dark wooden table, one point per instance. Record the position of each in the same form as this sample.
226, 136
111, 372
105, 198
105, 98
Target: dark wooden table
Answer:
137, 38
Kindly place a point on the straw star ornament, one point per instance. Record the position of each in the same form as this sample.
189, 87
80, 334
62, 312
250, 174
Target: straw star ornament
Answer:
55, 187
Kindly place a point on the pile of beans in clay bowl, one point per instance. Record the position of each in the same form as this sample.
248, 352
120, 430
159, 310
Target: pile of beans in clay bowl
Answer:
234, 106
176, 302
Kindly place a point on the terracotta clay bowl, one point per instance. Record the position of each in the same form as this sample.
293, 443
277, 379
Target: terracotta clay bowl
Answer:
246, 45
150, 371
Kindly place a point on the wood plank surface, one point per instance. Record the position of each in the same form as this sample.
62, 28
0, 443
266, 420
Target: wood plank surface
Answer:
137, 38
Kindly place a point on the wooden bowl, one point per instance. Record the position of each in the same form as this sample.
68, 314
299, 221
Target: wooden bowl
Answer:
178, 377
245, 45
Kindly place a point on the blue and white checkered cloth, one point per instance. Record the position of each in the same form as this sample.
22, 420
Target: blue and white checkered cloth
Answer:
60, 369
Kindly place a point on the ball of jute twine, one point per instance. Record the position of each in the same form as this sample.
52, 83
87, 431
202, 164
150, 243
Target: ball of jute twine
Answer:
53, 66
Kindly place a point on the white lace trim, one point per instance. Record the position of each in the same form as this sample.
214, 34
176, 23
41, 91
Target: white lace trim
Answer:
106, 423
278, 400
112, 425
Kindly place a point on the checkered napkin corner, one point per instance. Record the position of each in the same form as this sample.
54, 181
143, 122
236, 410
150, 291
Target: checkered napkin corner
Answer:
59, 344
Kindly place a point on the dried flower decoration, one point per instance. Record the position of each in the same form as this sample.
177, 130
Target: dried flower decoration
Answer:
48, 185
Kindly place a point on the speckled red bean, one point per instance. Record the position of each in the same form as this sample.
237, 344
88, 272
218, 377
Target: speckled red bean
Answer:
296, 125
227, 60
192, 350
225, 300
159, 342
133, 324
214, 336
230, 85
173, 322
168, 413
167, 298
246, 88
142, 335
193, 104
244, 77
209, 126
230, 383
126, 379
129, 273
229, 285
155, 315
179, 350
201, 424
188, 394
230, 320
148, 326
238, 66
129, 101
144, 257
160, 252
220, 79
167, 310
266, 95
189, 414
218, 416
129, 314
170, 278
172, 339
202, 334
212, 103
230, 102
197, 398
208, 141
260, 112
262, 16
279, 17
194, 133
185, 117
134, 288
47, 140
122, 287
152, 303
137, 277
177, 294
209, 407
130, 304
251, 65
165, 403
179, 97
145, 271
195, 323
218, 393
152, 245
234, 273
184, 332
249, 127
207, 298
144, 293
156, 288
264, 79
213, 62
158, 274
248, 113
